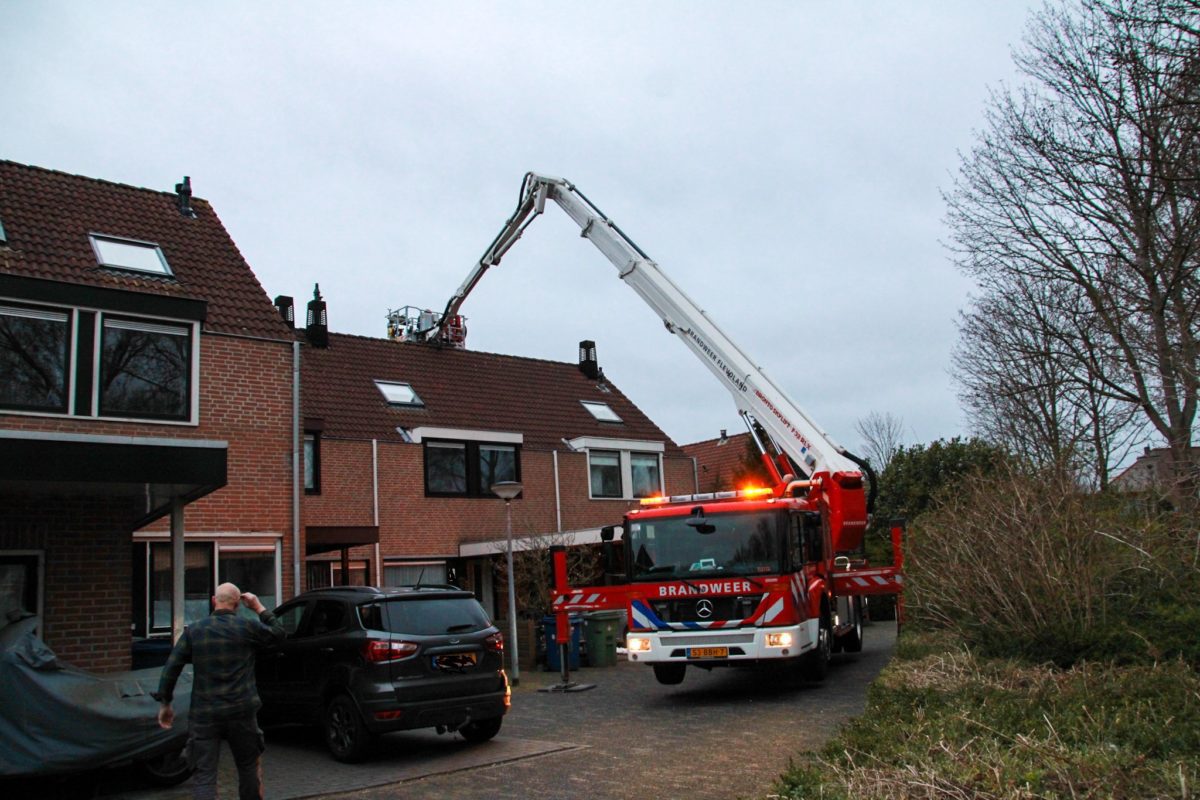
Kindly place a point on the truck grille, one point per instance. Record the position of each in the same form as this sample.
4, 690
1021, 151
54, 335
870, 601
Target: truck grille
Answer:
691, 609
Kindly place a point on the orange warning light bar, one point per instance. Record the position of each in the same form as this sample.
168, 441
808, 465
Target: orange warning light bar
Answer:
742, 494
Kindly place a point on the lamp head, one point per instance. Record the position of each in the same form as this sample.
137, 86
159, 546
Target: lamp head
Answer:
506, 490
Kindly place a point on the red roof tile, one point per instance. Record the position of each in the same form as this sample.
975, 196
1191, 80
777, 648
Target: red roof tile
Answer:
48, 215
460, 389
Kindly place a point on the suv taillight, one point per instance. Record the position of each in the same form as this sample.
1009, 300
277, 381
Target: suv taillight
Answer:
379, 650
495, 643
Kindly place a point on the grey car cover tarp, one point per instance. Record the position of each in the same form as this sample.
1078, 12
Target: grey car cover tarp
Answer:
56, 719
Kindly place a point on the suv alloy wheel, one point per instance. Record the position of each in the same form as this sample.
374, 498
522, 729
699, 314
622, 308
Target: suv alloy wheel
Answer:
348, 739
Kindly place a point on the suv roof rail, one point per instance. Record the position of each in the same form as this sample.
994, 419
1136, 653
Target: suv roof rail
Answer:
377, 591
354, 589
419, 586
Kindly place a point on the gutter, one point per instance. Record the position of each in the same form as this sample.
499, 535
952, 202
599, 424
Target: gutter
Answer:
297, 447
557, 497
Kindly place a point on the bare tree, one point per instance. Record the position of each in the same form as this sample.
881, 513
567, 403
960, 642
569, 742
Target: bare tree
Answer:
1022, 388
883, 436
1084, 183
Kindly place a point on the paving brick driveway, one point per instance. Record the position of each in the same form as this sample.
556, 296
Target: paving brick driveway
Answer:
723, 734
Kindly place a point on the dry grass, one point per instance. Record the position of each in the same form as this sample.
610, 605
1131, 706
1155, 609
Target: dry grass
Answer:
953, 725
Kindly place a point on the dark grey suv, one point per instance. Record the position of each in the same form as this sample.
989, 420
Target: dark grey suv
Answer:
362, 661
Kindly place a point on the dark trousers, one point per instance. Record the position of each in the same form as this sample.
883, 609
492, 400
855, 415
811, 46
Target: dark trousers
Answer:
246, 743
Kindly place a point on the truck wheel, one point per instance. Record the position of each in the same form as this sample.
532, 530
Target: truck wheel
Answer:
853, 641
345, 734
669, 674
816, 662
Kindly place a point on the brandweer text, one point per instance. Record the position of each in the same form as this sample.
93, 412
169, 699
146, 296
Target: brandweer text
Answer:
716, 587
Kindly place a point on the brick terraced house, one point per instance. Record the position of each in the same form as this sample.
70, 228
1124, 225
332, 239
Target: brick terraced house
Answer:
155, 441
403, 441
146, 402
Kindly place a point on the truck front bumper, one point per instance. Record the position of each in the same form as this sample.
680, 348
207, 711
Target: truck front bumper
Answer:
721, 646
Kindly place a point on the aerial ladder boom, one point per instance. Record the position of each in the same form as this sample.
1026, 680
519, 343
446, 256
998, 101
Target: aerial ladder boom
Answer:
807, 446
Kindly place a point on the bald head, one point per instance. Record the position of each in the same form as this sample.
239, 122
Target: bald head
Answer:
227, 596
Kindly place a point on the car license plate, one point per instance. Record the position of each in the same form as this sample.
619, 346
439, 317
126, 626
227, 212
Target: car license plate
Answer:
708, 652
454, 662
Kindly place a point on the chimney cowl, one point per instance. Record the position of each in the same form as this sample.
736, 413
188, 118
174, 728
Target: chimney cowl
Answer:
183, 197
316, 326
588, 364
287, 309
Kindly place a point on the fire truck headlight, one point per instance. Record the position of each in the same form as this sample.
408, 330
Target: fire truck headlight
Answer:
779, 640
637, 644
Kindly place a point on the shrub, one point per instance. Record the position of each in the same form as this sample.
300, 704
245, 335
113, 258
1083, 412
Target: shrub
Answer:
1027, 565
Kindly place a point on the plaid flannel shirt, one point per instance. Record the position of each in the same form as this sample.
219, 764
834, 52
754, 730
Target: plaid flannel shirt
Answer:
221, 649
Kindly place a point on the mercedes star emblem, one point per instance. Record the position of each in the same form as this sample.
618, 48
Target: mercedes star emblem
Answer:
704, 609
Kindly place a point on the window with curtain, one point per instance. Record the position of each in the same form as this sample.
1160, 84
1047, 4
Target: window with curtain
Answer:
605, 470
198, 584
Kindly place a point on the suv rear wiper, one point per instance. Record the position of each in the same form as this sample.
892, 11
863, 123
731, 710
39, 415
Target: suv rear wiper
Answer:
466, 626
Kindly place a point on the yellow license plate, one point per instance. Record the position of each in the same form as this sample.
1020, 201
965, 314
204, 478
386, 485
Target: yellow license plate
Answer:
708, 652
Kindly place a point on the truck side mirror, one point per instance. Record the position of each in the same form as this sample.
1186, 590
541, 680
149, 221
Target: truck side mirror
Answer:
607, 533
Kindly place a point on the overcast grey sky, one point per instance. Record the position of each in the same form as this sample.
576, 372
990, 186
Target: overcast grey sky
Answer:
781, 161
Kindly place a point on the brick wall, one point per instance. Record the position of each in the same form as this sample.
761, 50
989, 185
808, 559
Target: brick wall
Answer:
86, 569
413, 525
246, 401
346, 485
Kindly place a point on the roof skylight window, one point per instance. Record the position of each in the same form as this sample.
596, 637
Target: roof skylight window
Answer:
129, 254
601, 411
399, 394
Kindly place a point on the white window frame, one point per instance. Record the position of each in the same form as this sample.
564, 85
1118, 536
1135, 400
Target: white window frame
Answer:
150, 325
384, 385
603, 412
422, 563
92, 411
624, 448
259, 542
59, 314
144, 250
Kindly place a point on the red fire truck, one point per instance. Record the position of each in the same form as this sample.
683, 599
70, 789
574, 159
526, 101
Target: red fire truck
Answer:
724, 578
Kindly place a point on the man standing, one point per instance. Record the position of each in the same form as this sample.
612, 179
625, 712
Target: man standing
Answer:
225, 701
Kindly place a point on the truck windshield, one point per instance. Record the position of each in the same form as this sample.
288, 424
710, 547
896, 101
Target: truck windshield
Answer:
727, 544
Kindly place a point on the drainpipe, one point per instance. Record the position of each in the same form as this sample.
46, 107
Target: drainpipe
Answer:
375, 495
557, 499
297, 448
695, 475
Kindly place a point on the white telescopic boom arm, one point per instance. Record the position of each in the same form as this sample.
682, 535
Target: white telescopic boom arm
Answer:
753, 392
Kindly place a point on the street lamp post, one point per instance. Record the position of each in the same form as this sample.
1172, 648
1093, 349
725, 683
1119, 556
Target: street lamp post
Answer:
507, 490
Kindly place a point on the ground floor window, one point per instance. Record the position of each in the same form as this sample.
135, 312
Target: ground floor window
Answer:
254, 568
20, 585
198, 586
413, 572
252, 571
329, 573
